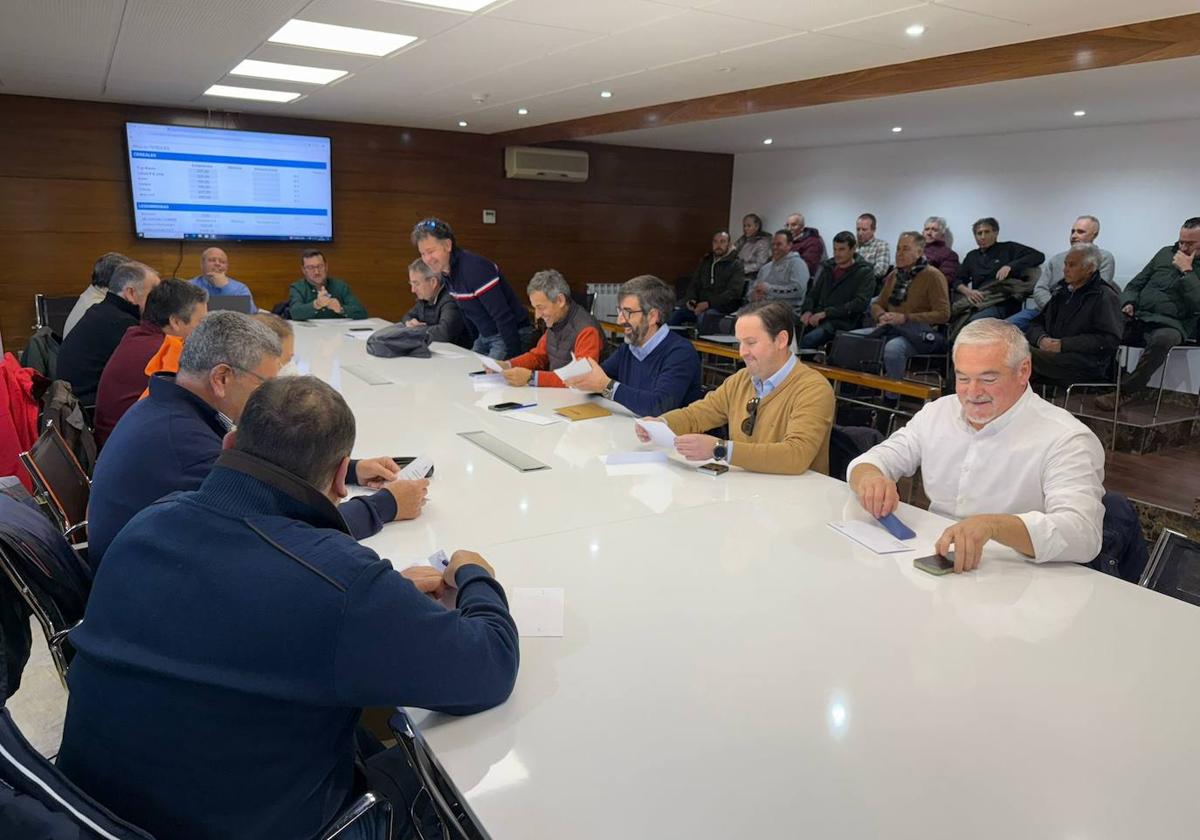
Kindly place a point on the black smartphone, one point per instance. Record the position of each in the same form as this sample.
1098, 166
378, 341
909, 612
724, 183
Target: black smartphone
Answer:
507, 406
404, 461
935, 564
362, 329
713, 469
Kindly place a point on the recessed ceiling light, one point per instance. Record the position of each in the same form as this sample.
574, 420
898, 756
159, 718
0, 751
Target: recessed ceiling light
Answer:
252, 93
522, 111
606, 94
768, 141
1081, 113
457, 5
896, 129
462, 123
327, 36
915, 31
286, 72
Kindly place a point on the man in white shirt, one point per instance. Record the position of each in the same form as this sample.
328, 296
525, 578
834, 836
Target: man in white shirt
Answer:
1011, 466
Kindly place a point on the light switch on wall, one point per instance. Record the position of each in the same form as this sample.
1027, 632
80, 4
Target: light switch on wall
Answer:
489, 217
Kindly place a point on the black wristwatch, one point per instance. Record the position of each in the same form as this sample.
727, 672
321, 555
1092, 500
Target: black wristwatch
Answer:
720, 451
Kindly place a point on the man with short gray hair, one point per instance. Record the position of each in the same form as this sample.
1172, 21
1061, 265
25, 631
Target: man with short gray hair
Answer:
434, 309
571, 333
1083, 232
1011, 466
102, 271
169, 441
90, 345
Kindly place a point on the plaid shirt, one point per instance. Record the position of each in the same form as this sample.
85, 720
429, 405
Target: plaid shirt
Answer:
879, 254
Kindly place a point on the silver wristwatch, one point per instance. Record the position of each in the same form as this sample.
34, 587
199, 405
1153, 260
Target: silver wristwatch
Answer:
607, 393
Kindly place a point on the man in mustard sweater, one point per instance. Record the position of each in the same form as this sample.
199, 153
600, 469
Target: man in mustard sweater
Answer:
779, 412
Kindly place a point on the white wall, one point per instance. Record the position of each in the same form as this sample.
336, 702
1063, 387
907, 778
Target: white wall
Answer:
1141, 181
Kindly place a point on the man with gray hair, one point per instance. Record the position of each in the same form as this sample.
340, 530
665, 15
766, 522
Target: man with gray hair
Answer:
938, 252
571, 333
435, 309
1011, 466
1083, 232
169, 441
102, 271
90, 345
1075, 337
655, 370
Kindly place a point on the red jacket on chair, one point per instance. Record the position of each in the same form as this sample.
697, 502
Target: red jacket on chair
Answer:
18, 417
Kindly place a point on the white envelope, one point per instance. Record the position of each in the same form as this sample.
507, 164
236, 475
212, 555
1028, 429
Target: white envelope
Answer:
577, 367
872, 535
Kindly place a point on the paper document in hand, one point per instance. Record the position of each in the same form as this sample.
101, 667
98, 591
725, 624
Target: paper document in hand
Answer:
439, 560
871, 535
577, 367
489, 363
660, 433
417, 469
537, 612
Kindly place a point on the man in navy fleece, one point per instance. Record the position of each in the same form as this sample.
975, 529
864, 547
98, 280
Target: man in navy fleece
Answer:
655, 370
479, 289
235, 633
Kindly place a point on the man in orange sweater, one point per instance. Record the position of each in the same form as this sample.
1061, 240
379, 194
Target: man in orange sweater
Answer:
571, 331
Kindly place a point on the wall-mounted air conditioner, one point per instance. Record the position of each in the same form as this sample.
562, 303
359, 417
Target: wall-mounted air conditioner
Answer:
540, 164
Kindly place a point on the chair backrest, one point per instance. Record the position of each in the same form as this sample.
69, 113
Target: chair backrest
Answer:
862, 353
28, 776
585, 299
1174, 567
846, 443
59, 478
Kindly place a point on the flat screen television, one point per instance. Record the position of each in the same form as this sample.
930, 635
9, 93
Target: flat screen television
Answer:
209, 183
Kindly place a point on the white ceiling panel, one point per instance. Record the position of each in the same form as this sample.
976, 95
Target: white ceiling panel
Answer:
421, 21
601, 16
807, 16
1053, 18
49, 46
946, 31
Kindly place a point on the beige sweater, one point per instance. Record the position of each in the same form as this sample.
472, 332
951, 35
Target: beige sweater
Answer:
791, 434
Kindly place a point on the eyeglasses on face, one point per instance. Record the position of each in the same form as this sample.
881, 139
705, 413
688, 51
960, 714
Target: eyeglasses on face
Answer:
244, 370
626, 313
751, 417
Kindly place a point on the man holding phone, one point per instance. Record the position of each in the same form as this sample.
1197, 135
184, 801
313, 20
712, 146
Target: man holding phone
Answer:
1010, 466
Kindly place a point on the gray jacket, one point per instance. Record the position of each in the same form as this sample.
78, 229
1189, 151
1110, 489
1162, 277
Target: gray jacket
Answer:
784, 280
1052, 275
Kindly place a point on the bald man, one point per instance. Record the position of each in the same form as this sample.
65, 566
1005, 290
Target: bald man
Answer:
214, 279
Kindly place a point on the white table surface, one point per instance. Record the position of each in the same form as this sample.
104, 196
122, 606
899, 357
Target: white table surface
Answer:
732, 667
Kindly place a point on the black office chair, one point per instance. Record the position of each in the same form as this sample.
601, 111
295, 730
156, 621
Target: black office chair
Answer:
585, 299
1174, 567
52, 312
459, 822
61, 483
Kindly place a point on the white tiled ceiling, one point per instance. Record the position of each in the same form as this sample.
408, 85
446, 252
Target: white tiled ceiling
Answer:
550, 56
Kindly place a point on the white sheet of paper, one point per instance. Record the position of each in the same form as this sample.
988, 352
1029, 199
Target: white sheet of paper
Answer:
660, 433
361, 335
488, 381
577, 367
526, 415
538, 612
445, 354
362, 322
653, 456
417, 469
489, 363
872, 535
439, 560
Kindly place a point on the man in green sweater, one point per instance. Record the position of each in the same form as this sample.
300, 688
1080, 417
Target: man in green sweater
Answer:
839, 297
320, 296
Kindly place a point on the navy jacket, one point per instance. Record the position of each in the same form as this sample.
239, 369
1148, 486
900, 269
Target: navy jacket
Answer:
169, 442
88, 347
486, 299
233, 636
668, 378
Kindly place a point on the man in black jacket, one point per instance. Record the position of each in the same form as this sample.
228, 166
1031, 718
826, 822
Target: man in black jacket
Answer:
88, 348
840, 295
991, 263
1075, 337
715, 289
434, 308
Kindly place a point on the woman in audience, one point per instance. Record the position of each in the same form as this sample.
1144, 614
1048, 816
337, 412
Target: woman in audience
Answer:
754, 246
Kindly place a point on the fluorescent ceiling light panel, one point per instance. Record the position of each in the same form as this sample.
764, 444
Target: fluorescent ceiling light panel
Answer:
252, 93
456, 5
348, 39
286, 72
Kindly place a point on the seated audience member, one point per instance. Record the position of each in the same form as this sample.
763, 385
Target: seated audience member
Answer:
320, 296
221, 674
1083, 232
806, 241
90, 345
784, 278
173, 309
911, 306
169, 441
655, 370
778, 411
571, 332
1076, 335
1011, 466
478, 287
984, 270
1161, 305
214, 277
715, 289
938, 252
839, 297
102, 271
287, 340
753, 247
872, 249
434, 308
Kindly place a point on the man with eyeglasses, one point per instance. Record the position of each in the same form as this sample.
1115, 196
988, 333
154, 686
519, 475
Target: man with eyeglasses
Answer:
1012, 467
779, 412
655, 370
170, 440
434, 308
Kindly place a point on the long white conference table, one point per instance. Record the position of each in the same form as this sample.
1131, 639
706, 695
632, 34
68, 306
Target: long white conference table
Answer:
732, 667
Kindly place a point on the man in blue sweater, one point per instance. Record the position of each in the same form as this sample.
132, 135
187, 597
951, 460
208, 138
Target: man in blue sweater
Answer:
655, 370
169, 441
479, 289
236, 632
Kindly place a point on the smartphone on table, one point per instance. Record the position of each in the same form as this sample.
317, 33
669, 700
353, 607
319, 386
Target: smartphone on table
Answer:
713, 469
509, 406
935, 564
